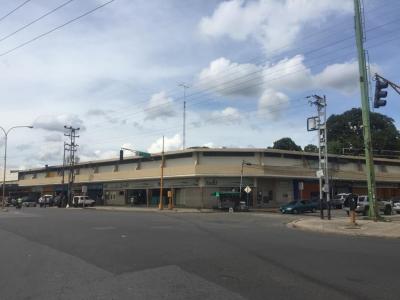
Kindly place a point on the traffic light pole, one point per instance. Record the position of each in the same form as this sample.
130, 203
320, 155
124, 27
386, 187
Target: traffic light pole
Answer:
373, 213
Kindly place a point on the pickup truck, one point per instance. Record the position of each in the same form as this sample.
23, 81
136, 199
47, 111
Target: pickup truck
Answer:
363, 206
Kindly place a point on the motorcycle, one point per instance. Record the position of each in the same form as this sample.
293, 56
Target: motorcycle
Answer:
18, 204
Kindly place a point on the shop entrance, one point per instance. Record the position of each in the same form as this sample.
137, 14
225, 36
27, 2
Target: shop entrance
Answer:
136, 197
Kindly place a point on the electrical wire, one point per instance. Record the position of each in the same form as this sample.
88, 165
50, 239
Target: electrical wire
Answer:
372, 46
260, 71
14, 10
55, 29
35, 21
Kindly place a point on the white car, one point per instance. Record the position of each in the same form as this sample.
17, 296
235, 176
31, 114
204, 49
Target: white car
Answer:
396, 205
45, 200
83, 201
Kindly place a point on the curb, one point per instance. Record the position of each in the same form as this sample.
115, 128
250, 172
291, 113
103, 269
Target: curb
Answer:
154, 210
345, 229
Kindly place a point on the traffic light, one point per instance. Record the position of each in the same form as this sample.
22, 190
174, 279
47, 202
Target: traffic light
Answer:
380, 84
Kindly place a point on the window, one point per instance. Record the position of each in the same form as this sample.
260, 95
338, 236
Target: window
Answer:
77, 171
34, 176
95, 170
116, 168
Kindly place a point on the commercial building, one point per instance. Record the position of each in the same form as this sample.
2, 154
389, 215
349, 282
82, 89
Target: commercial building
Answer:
193, 175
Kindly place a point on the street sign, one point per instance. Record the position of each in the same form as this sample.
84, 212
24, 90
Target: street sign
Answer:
143, 154
247, 189
320, 173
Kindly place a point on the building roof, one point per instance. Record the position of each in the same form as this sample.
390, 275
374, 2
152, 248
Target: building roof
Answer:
189, 151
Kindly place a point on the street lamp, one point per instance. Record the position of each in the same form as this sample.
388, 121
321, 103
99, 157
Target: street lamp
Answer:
241, 177
6, 132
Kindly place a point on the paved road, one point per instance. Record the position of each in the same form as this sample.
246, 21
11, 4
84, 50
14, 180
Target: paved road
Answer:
84, 254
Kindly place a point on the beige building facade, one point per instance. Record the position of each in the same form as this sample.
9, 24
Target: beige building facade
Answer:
192, 176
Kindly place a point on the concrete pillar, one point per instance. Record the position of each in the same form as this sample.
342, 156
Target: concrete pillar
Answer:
255, 192
148, 197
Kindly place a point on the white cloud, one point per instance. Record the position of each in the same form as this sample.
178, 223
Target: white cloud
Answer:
339, 76
229, 78
160, 106
343, 77
50, 152
54, 137
229, 115
57, 122
90, 155
106, 114
170, 144
209, 145
233, 19
289, 74
271, 104
275, 24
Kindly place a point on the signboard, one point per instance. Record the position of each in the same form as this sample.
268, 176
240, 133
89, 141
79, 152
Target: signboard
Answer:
301, 185
84, 189
247, 189
320, 173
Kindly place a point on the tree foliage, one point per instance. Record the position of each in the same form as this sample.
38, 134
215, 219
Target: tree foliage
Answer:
346, 131
311, 148
286, 144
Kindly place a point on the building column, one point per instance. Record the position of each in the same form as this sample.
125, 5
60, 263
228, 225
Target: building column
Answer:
148, 197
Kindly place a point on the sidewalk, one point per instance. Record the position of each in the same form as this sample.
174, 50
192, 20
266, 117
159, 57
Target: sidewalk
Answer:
342, 226
150, 209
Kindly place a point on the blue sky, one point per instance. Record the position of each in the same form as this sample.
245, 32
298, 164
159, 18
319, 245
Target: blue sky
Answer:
249, 65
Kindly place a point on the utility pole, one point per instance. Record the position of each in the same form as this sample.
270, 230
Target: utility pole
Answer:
185, 86
161, 204
323, 164
72, 148
369, 161
63, 174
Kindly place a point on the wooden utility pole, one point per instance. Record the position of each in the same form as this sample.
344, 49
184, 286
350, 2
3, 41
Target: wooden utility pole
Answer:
161, 204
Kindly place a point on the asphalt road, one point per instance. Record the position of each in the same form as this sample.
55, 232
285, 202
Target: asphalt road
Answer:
85, 254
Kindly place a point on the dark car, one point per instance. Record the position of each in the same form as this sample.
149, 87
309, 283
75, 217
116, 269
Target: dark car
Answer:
28, 201
298, 206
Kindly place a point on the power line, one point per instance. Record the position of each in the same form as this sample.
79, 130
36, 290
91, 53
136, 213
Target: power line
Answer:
378, 44
35, 20
55, 29
14, 10
213, 89
275, 54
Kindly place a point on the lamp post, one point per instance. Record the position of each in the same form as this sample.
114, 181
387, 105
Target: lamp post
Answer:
6, 132
241, 177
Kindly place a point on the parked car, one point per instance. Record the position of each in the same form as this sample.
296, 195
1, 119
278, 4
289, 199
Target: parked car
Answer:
299, 206
339, 199
28, 201
395, 205
82, 201
46, 200
10, 202
363, 206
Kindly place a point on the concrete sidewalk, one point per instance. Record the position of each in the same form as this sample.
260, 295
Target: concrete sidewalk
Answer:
390, 229
150, 209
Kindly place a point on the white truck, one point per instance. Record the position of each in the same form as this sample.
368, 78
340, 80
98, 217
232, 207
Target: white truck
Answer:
82, 201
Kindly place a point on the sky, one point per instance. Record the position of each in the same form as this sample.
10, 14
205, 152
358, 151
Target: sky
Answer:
117, 73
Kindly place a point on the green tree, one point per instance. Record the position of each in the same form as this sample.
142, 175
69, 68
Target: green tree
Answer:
311, 148
345, 131
286, 144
